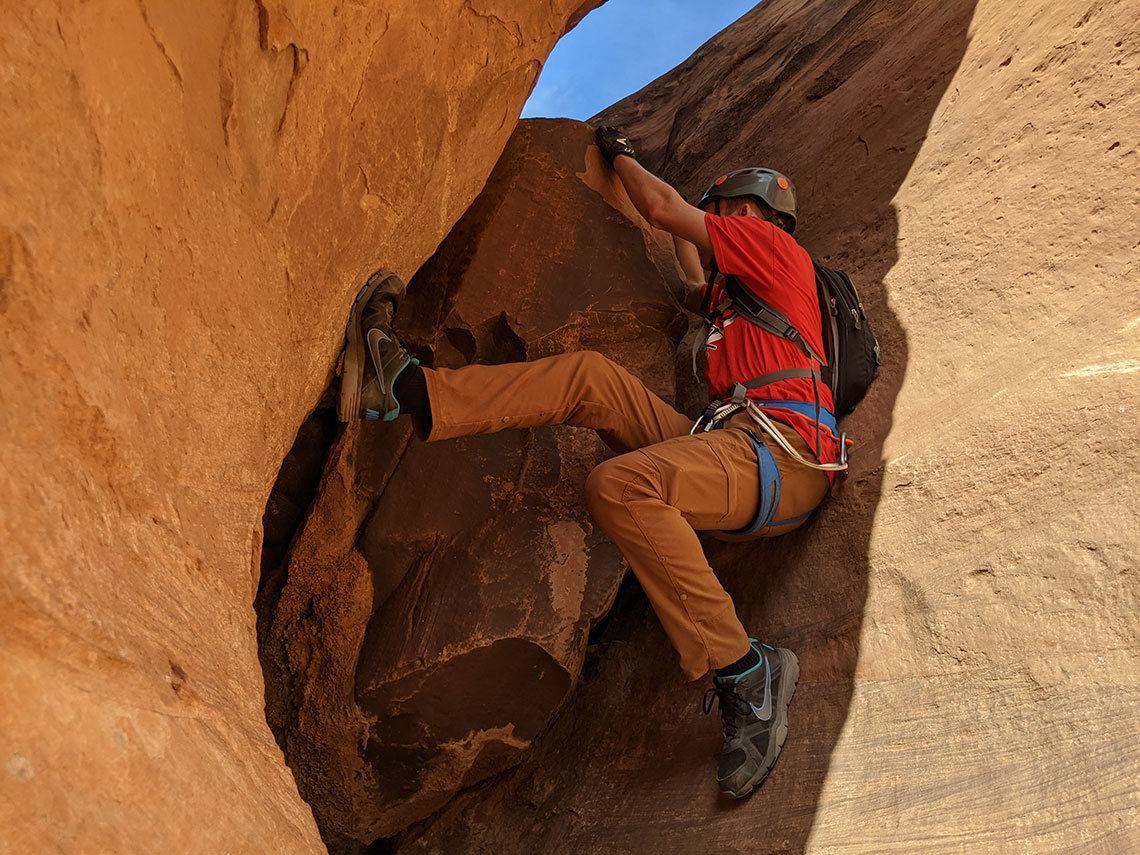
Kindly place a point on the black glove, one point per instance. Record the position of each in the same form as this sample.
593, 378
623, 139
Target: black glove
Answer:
613, 142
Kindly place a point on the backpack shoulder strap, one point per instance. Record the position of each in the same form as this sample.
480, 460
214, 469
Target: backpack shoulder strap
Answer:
766, 316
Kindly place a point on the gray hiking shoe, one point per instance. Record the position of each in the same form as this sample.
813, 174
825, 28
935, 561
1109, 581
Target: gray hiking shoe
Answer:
754, 706
373, 356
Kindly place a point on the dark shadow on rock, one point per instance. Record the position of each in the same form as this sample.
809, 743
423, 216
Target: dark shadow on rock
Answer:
289, 502
837, 98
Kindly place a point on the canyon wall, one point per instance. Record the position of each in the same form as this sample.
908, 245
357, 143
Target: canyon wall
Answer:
965, 607
190, 196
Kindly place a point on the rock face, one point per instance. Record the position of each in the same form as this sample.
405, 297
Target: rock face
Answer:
191, 195
965, 608
438, 598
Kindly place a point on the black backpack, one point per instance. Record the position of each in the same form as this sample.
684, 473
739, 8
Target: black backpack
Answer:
851, 350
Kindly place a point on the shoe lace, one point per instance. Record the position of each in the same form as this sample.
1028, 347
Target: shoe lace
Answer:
733, 708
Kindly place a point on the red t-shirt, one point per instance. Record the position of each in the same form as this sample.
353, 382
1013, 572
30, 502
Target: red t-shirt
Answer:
769, 262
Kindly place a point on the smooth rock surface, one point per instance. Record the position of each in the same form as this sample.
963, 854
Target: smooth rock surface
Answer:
436, 603
965, 610
190, 195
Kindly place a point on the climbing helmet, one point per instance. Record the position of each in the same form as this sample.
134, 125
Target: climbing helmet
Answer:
773, 187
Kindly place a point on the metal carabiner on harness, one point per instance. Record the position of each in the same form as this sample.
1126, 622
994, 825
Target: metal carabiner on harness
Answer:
718, 411
714, 414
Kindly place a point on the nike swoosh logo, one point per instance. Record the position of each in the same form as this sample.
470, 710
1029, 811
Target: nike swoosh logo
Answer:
764, 712
374, 337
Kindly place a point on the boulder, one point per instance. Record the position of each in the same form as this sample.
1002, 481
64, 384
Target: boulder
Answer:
964, 607
190, 196
436, 603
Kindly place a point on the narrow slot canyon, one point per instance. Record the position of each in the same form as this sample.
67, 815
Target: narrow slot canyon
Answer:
234, 624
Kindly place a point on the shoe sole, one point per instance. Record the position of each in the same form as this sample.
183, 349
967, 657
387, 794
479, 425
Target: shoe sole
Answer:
352, 372
790, 666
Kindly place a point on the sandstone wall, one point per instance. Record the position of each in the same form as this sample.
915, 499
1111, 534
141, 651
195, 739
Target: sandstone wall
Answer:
190, 196
965, 609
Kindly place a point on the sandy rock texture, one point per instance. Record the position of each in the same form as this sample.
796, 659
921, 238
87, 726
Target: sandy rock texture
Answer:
434, 609
965, 609
190, 195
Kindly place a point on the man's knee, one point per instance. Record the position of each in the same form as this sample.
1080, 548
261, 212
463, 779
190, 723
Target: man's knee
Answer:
589, 367
612, 482
601, 485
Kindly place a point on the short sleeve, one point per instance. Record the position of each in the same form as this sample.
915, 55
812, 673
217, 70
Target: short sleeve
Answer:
743, 246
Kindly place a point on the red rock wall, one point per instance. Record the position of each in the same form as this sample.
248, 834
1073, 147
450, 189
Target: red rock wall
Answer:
436, 603
190, 196
964, 609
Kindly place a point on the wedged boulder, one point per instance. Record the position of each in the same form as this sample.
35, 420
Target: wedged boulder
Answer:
436, 605
965, 608
190, 195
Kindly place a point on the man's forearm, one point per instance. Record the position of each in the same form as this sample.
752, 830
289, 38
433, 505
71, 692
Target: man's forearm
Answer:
689, 260
692, 275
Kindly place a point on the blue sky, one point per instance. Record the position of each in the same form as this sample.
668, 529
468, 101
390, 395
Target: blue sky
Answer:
620, 47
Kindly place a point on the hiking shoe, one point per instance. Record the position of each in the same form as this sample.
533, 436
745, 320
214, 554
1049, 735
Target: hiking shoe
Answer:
373, 356
754, 706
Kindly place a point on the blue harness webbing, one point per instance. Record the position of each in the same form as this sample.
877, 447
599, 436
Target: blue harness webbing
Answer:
826, 417
770, 472
769, 489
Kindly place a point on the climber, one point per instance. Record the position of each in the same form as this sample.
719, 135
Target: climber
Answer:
672, 476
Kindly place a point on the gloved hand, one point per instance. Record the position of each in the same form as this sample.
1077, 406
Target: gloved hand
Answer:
613, 142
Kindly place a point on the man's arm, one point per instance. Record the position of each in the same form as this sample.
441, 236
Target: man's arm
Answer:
663, 206
655, 200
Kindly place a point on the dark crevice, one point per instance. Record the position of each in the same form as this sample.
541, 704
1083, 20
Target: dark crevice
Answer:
463, 340
285, 512
262, 25
505, 345
292, 494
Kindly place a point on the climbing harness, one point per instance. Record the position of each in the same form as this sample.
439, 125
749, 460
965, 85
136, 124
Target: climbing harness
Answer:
718, 412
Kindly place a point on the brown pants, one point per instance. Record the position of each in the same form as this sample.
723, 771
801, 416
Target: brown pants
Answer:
650, 500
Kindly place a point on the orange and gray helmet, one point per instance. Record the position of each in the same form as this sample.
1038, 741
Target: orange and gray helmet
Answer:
771, 186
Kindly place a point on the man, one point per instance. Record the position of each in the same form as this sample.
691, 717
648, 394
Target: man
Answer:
670, 478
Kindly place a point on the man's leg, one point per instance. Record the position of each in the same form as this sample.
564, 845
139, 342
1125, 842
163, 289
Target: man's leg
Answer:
380, 380
704, 482
651, 502
584, 389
